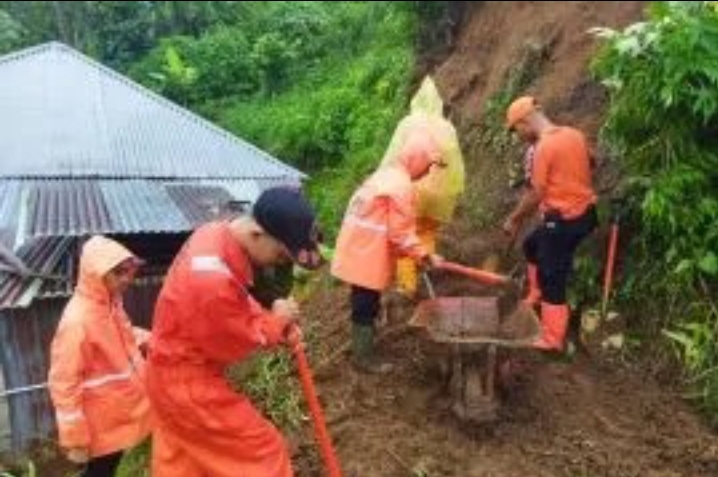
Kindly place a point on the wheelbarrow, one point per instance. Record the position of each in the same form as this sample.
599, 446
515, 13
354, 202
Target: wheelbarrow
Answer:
469, 331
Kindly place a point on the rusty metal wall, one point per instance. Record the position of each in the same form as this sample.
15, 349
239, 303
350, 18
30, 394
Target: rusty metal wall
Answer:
25, 338
26, 335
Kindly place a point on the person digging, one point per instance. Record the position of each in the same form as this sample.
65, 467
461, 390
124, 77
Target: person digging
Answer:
206, 319
378, 227
560, 187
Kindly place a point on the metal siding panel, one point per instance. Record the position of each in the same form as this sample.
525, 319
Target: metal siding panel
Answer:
243, 190
62, 207
199, 203
25, 360
67, 266
10, 198
26, 336
268, 182
79, 207
41, 255
142, 206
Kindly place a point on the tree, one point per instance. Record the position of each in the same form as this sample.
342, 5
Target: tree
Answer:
11, 32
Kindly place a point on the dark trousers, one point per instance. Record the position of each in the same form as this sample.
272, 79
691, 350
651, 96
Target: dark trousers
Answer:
104, 466
365, 305
551, 247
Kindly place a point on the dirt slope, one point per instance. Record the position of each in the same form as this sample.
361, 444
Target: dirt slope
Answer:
585, 417
495, 34
592, 416
548, 45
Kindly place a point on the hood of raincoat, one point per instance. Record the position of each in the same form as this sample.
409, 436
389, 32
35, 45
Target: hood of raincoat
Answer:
418, 154
427, 99
99, 256
438, 192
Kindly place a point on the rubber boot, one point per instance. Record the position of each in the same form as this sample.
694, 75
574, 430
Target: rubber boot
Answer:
554, 322
534, 295
363, 357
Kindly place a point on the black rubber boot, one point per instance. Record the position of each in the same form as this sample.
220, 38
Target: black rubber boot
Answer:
363, 355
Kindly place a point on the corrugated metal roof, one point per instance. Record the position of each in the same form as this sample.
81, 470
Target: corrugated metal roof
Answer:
54, 257
44, 256
267, 182
75, 207
10, 194
65, 115
142, 206
66, 266
199, 204
242, 191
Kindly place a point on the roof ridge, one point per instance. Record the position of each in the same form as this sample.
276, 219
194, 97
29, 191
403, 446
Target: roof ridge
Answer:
149, 94
15, 55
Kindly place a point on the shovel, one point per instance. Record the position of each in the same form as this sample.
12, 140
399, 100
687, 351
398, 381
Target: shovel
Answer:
481, 276
497, 260
315, 409
611, 256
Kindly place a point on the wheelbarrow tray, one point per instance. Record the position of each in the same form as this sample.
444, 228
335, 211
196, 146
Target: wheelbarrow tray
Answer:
476, 320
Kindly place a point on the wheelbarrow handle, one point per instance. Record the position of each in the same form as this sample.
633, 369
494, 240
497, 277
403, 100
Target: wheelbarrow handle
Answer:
315, 409
476, 274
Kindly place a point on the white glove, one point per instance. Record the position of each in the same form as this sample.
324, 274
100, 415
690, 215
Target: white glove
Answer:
287, 309
78, 455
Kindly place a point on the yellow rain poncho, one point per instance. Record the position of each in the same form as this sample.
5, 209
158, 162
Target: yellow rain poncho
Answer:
439, 192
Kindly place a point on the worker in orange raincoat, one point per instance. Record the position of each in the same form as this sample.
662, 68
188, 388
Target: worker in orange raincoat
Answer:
560, 187
439, 191
378, 227
96, 368
205, 320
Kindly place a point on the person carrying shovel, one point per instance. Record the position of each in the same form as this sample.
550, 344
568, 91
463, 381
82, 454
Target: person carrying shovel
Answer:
205, 319
561, 189
380, 225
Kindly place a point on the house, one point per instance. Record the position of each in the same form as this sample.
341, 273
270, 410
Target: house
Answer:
84, 150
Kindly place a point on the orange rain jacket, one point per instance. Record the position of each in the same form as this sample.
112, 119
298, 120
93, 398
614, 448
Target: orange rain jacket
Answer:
380, 223
96, 369
204, 320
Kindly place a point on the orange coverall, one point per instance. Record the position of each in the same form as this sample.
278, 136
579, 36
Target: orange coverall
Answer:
204, 320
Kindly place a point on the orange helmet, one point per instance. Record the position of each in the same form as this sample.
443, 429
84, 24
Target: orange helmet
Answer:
519, 109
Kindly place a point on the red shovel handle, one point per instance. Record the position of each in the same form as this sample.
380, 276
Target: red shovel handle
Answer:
481, 276
315, 409
611, 259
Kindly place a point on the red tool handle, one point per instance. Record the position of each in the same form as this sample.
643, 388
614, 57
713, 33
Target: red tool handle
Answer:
315, 409
481, 276
608, 277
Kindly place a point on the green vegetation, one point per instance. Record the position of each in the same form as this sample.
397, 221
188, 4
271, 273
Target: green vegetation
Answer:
270, 381
135, 463
29, 470
663, 123
322, 86
319, 86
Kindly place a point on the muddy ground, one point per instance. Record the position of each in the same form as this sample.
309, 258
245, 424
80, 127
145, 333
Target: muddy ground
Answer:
588, 416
